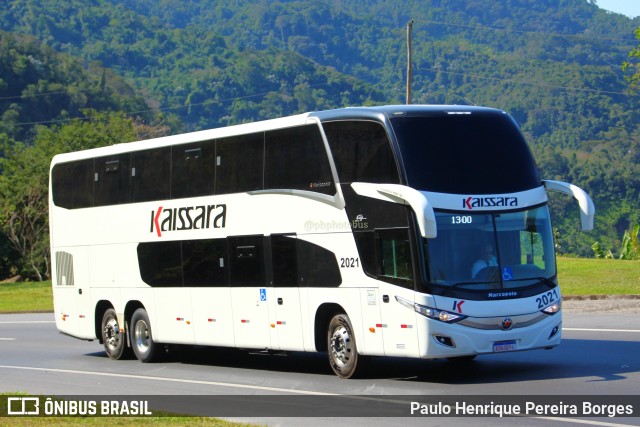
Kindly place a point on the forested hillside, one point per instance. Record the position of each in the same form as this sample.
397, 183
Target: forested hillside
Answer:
555, 65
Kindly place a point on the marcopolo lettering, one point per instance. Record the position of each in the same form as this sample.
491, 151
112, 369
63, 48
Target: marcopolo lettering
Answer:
508, 294
188, 218
489, 202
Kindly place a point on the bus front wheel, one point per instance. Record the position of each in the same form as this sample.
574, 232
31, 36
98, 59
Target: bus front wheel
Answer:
114, 337
141, 338
341, 346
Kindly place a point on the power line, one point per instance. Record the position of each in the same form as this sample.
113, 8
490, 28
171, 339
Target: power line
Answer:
544, 85
160, 109
574, 36
262, 94
34, 95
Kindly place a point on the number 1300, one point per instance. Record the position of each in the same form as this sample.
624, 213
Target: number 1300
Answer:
459, 219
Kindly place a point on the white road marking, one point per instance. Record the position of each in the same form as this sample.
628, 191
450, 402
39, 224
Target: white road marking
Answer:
7, 339
16, 322
275, 389
580, 421
176, 380
601, 330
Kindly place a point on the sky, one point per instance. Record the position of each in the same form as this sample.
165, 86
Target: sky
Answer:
631, 8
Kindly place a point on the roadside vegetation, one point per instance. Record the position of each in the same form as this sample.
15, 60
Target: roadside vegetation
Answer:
118, 422
587, 276
26, 297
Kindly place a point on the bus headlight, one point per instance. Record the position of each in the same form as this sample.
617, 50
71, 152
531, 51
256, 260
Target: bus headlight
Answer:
553, 308
431, 313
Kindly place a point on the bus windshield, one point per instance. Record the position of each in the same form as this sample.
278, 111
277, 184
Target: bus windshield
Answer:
492, 250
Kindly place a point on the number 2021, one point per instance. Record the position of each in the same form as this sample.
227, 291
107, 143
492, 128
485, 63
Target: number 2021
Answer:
546, 299
349, 262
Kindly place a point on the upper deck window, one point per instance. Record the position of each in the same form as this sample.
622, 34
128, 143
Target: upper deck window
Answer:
293, 158
476, 153
362, 152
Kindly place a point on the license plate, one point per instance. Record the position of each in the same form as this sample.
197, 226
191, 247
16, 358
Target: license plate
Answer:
504, 346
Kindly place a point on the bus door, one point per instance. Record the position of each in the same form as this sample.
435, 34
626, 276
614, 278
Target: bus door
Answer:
395, 270
161, 268
285, 317
73, 311
206, 272
249, 295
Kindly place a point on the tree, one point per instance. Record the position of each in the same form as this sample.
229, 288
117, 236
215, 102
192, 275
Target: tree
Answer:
24, 182
632, 69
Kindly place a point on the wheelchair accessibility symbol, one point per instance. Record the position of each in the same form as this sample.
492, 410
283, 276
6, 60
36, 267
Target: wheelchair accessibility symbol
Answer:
263, 294
507, 274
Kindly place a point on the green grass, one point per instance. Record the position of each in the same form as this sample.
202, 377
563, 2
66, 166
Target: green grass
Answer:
577, 276
582, 276
25, 297
117, 421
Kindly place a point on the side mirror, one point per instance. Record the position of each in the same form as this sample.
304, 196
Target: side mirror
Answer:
402, 194
587, 209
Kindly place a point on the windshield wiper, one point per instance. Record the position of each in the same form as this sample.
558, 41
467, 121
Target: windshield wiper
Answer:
482, 282
545, 280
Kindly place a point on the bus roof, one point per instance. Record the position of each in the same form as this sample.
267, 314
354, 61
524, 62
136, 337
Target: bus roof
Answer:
183, 138
379, 113
399, 110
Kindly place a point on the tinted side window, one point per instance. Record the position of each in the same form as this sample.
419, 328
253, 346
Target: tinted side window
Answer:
246, 259
284, 260
151, 172
160, 263
362, 152
192, 170
295, 158
112, 180
73, 184
365, 241
394, 256
239, 163
317, 266
205, 262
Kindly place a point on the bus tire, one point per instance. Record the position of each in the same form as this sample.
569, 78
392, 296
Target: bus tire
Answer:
144, 347
114, 337
341, 346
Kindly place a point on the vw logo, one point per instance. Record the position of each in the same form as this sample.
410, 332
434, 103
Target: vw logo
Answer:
507, 323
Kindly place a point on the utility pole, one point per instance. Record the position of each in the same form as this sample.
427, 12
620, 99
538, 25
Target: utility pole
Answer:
409, 69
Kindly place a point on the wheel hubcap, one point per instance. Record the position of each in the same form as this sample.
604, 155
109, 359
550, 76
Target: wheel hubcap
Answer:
341, 346
112, 334
141, 336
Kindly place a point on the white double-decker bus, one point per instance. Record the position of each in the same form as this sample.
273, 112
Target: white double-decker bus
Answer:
414, 231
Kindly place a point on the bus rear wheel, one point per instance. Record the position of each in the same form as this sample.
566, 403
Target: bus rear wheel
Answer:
114, 337
341, 346
141, 338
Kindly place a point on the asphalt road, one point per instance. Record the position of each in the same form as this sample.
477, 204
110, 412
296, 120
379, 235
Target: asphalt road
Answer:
599, 356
